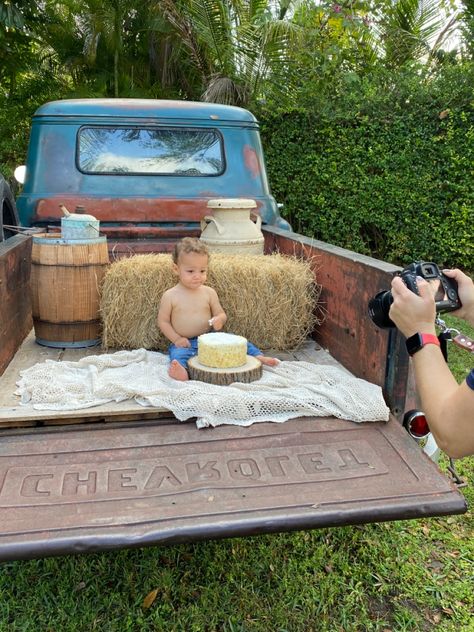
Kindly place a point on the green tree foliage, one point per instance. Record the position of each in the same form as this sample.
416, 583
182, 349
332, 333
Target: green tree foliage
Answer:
233, 51
16, 40
335, 38
238, 49
467, 28
29, 74
387, 172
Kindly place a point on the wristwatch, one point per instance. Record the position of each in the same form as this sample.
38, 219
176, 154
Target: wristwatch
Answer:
418, 341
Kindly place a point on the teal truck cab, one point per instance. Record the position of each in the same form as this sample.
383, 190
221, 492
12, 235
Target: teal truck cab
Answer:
76, 480
146, 169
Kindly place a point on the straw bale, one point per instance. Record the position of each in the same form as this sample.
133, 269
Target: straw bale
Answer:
271, 300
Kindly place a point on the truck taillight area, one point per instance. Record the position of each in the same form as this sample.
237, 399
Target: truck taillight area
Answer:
415, 423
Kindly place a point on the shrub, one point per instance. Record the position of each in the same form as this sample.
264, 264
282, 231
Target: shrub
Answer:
387, 172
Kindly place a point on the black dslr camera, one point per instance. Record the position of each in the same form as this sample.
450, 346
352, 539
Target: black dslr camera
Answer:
446, 297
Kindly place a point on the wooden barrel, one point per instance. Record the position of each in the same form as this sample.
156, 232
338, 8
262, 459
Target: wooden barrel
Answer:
65, 283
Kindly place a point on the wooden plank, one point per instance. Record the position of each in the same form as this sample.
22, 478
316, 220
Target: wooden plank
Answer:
22, 416
15, 304
27, 355
12, 414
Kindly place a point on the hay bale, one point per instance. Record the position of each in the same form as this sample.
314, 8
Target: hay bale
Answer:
271, 300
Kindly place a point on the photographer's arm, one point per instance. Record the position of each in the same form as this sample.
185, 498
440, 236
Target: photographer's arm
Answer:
449, 407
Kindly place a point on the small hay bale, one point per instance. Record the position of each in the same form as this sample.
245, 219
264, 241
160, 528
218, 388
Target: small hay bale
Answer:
271, 300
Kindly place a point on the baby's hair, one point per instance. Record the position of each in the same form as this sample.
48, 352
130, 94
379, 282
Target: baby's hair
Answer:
188, 245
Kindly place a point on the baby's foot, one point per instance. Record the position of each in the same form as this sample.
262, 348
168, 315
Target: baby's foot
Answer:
268, 361
177, 371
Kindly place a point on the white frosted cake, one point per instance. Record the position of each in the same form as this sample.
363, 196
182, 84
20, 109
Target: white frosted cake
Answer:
222, 351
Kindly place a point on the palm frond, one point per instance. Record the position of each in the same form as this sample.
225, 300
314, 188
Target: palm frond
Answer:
180, 19
407, 30
224, 90
212, 20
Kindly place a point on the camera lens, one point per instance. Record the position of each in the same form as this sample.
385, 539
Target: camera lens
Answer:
379, 307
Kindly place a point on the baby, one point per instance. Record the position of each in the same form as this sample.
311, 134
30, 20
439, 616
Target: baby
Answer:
191, 308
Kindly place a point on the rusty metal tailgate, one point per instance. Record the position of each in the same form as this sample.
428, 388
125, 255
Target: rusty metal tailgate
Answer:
89, 488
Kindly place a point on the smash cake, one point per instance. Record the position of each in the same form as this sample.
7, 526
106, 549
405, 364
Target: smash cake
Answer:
222, 351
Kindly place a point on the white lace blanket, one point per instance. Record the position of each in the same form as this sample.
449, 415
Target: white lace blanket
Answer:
292, 389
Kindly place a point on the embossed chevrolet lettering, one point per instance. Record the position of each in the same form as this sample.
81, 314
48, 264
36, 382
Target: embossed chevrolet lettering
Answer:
167, 474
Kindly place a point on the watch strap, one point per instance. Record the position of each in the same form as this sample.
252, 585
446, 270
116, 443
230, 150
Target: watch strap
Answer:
418, 341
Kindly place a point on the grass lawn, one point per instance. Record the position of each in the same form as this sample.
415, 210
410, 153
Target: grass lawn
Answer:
400, 576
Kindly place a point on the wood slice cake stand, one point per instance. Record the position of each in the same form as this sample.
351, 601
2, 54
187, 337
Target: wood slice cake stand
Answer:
248, 372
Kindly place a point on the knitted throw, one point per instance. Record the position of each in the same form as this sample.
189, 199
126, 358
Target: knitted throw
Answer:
291, 389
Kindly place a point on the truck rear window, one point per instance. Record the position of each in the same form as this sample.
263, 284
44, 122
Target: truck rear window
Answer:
133, 150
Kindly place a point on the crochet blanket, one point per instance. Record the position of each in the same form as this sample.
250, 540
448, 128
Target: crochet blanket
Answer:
291, 389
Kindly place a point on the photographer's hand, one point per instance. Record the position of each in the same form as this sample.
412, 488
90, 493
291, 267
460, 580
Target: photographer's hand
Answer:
466, 294
413, 313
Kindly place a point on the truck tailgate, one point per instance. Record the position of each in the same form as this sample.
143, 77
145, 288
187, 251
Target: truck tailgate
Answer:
89, 488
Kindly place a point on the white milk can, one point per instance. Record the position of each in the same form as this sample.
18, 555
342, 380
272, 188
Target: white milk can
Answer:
230, 229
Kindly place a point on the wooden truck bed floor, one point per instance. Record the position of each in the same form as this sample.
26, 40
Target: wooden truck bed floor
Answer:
12, 413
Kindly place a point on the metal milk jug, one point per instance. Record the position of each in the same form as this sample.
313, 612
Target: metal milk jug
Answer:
230, 229
78, 225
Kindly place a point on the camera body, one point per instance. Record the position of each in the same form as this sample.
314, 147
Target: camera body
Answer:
446, 292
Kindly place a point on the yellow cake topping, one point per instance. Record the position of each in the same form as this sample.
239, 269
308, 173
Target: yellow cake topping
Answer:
222, 351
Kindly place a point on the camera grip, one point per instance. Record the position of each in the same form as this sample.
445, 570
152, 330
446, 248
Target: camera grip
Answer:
410, 281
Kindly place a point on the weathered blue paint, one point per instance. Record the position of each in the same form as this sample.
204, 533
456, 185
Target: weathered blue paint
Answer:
52, 175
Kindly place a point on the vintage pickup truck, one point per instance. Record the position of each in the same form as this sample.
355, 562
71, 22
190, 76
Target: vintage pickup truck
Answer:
76, 481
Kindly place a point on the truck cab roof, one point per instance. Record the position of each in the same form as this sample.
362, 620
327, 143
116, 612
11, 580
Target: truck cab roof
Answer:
156, 109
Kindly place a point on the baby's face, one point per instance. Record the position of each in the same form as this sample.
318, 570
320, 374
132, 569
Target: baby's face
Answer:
192, 269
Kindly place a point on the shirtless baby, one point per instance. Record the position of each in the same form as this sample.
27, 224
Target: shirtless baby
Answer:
191, 308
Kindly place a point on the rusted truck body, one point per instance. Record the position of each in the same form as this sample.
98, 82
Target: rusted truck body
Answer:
120, 475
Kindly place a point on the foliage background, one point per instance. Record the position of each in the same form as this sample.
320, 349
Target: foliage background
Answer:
387, 170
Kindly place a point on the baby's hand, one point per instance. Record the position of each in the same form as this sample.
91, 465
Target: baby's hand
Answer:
182, 342
217, 322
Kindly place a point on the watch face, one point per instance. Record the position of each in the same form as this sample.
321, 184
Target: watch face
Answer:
414, 343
